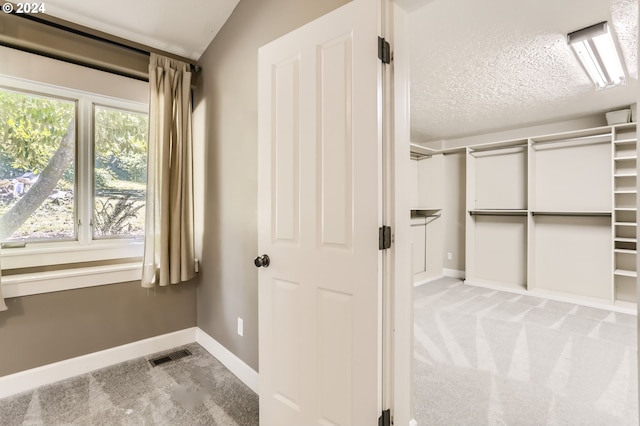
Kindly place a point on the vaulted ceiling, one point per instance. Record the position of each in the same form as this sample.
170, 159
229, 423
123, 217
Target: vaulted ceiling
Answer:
183, 27
483, 66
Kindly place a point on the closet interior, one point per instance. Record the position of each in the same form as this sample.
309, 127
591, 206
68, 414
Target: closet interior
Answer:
551, 215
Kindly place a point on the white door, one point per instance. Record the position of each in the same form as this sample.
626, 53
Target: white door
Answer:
319, 212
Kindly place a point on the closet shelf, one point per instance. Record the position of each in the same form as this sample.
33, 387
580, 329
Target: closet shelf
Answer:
421, 151
626, 251
630, 174
625, 240
625, 141
627, 157
425, 212
626, 209
625, 224
626, 191
625, 273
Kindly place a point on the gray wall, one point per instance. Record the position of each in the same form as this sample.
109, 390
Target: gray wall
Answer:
46, 328
226, 138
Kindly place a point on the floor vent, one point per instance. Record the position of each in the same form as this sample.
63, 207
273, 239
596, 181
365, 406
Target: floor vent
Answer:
169, 357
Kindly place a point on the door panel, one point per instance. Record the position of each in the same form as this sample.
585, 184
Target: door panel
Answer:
286, 319
335, 150
335, 356
286, 102
319, 211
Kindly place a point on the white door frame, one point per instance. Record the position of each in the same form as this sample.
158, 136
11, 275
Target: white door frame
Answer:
399, 205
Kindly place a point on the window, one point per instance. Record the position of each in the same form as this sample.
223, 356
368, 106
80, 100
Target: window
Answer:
120, 172
72, 175
37, 167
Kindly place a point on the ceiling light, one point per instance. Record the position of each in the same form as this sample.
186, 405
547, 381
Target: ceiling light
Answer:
597, 52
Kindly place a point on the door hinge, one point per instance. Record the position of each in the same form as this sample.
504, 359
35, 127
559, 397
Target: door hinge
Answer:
384, 51
384, 237
385, 418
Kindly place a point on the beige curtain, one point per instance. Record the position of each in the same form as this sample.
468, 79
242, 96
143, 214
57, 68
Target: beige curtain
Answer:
3, 306
168, 252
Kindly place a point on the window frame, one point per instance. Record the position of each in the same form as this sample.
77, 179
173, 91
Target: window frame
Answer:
85, 248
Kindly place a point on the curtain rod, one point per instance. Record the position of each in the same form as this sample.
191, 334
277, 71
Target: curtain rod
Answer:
103, 37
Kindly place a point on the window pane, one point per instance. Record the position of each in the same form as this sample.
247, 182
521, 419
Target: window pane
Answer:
37, 167
120, 173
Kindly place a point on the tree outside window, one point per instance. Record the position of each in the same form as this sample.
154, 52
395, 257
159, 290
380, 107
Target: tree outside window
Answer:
41, 184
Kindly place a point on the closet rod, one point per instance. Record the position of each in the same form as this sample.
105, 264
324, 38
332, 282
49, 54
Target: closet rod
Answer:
418, 157
601, 214
578, 139
496, 213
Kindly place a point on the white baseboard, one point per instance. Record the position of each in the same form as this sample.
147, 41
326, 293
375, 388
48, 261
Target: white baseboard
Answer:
453, 273
445, 273
30, 379
427, 280
237, 366
556, 296
40, 376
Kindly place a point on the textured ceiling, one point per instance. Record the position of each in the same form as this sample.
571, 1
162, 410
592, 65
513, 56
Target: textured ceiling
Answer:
184, 27
483, 66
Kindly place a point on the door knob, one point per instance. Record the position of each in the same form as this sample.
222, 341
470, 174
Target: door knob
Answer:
263, 261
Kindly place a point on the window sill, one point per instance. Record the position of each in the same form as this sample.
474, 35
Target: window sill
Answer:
52, 281
60, 253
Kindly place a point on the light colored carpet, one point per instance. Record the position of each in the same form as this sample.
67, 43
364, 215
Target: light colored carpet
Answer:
196, 390
485, 357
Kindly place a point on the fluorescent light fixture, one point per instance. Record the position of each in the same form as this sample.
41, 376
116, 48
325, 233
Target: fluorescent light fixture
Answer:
597, 52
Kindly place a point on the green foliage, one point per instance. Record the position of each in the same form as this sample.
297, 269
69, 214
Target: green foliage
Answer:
7, 171
31, 128
103, 178
121, 142
132, 167
114, 216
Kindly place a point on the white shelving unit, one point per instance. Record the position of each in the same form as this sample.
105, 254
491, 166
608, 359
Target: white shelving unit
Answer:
426, 225
555, 214
624, 154
496, 223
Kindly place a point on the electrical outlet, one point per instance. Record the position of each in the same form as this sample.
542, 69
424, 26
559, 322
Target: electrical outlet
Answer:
240, 326
449, 256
